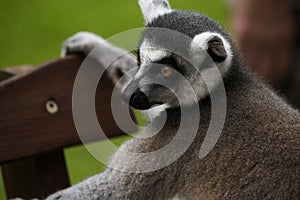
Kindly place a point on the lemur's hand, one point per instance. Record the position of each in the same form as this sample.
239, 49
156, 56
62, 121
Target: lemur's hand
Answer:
81, 42
106, 54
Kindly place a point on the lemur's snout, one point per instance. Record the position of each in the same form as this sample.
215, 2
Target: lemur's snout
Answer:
136, 99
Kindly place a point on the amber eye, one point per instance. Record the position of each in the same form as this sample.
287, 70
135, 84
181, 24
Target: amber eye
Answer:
166, 71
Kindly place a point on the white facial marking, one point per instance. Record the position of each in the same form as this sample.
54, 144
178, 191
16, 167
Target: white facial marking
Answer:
152, 9
149, 53
155, 111
140, 72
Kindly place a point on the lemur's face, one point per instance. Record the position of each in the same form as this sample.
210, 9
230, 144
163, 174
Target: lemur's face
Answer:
178, 57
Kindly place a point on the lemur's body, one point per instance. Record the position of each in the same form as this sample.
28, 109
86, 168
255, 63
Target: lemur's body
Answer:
256, 157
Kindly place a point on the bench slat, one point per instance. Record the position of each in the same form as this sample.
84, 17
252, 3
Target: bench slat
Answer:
27, 129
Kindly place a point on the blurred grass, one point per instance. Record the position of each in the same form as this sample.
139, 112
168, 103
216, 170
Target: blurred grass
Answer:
32, 32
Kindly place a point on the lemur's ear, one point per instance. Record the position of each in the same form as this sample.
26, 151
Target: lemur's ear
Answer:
152, 9
216, 49
214, 44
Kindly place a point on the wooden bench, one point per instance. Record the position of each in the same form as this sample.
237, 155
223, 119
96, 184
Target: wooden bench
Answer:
32, 136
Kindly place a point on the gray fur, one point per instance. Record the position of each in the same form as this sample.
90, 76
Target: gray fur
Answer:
257, 156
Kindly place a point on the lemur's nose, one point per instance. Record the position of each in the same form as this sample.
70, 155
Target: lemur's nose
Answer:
137, 99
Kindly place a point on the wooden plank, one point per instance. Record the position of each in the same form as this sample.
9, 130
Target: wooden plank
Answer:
5, 75
27, 129
22, 172
35, 177
17, 70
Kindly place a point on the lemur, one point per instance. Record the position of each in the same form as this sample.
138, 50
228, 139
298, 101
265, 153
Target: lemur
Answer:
258, 153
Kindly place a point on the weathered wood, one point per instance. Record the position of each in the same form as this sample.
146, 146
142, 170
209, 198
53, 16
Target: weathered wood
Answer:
32, 140
23, 69
35, 176
5, 75
27, 129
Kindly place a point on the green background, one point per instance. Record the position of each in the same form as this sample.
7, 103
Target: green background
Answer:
31, 32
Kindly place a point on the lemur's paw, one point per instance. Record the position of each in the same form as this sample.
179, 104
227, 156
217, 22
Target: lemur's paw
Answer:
81, 42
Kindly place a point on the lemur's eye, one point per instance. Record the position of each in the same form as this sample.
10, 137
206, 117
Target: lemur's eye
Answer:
166, 71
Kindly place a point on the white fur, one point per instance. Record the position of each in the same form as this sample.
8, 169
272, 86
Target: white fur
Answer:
210, 76
200, 44
155, 111
152, 9
150, 53
140, 72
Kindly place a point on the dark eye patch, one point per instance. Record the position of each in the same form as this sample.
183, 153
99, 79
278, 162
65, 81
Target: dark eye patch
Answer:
138, 57
168, 61
172, 63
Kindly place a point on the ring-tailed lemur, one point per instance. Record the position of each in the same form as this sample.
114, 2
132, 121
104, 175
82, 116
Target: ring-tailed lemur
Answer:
258, 153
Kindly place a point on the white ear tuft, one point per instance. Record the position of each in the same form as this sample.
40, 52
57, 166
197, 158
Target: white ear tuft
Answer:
216, 46
152, 9
202, 41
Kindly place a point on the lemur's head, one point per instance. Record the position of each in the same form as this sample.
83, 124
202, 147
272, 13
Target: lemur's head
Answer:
177, 47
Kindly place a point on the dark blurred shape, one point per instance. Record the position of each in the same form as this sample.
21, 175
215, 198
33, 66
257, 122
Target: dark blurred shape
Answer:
267, 32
